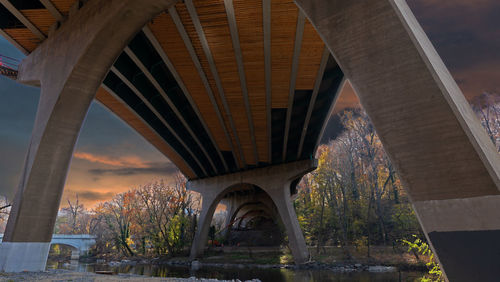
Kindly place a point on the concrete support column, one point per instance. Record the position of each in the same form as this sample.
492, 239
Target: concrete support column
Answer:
281, 198
230, 210
274, 180
209, 205
69, 66
75, 254
444, 157
17, 257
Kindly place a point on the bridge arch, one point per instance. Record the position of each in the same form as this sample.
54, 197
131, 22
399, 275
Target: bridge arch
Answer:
450, 168
90, 40
442, 154
274, 181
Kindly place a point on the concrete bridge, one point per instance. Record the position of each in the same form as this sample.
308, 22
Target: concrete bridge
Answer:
80, 243
237, 94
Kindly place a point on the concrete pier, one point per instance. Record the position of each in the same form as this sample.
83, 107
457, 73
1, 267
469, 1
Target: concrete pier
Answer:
276, 181
69, 67
228, 117
444, 157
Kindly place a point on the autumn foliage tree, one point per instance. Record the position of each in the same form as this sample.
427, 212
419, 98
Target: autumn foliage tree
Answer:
355, 196
154, 219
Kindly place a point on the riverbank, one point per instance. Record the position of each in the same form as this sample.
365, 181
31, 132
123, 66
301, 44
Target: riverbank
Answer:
337, 259
64, 275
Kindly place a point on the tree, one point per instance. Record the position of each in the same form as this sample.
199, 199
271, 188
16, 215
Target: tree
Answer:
354, 197
487, 108
4, 212
155, 219
69, 222
118, 214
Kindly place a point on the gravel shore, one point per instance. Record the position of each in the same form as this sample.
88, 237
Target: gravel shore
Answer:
64, 275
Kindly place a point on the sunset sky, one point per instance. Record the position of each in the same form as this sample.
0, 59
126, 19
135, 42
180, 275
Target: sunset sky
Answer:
111, 158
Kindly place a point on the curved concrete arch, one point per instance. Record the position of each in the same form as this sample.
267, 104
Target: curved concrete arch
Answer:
440, 150
445, 159
73, 247
82, 242
209, 204
75, 252
236, 204
91, 39
251, 214
275, 181
252, 207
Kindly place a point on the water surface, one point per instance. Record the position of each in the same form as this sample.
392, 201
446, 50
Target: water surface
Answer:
265, 275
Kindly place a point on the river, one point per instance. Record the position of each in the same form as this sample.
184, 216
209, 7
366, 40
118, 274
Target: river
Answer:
265, 275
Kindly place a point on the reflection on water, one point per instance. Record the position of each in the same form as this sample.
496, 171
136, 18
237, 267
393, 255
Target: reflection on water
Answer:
272, 275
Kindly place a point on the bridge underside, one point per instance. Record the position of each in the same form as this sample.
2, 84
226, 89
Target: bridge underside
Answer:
225, 88
252, 218
217, 86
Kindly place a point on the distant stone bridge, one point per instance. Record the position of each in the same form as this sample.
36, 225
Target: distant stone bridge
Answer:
79, 243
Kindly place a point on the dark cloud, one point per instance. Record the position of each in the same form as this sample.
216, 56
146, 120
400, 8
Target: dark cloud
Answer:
94, 196
152, 168
18, 105
464, 35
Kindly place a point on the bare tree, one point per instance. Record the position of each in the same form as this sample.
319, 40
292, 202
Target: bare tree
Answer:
4, 212
165, 207
487, 108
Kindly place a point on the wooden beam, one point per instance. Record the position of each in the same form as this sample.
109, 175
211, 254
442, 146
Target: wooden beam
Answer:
189, 45
162, 92
53, 10
266, 19
301, 20
149, 34
233, 28
157, 114
317, 84
204, 43
114, 95
332, 106
14, 42
23, 19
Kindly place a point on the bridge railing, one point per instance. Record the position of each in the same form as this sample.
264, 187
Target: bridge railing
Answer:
8, 66
68, 236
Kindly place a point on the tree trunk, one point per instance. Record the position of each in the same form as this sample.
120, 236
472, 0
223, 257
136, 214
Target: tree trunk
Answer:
368, 222
320, 229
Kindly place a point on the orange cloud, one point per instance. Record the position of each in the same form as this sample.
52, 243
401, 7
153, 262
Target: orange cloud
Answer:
347, 99
128, 161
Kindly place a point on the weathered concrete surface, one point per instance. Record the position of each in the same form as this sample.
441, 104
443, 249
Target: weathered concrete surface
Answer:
23, 256
274, 180
444, 157
253, 220
70, 66
79, 244
238, 204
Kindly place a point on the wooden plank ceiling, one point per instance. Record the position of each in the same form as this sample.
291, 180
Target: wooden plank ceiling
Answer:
213, 84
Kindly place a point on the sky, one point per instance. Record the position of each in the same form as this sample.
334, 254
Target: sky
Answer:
111, 158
